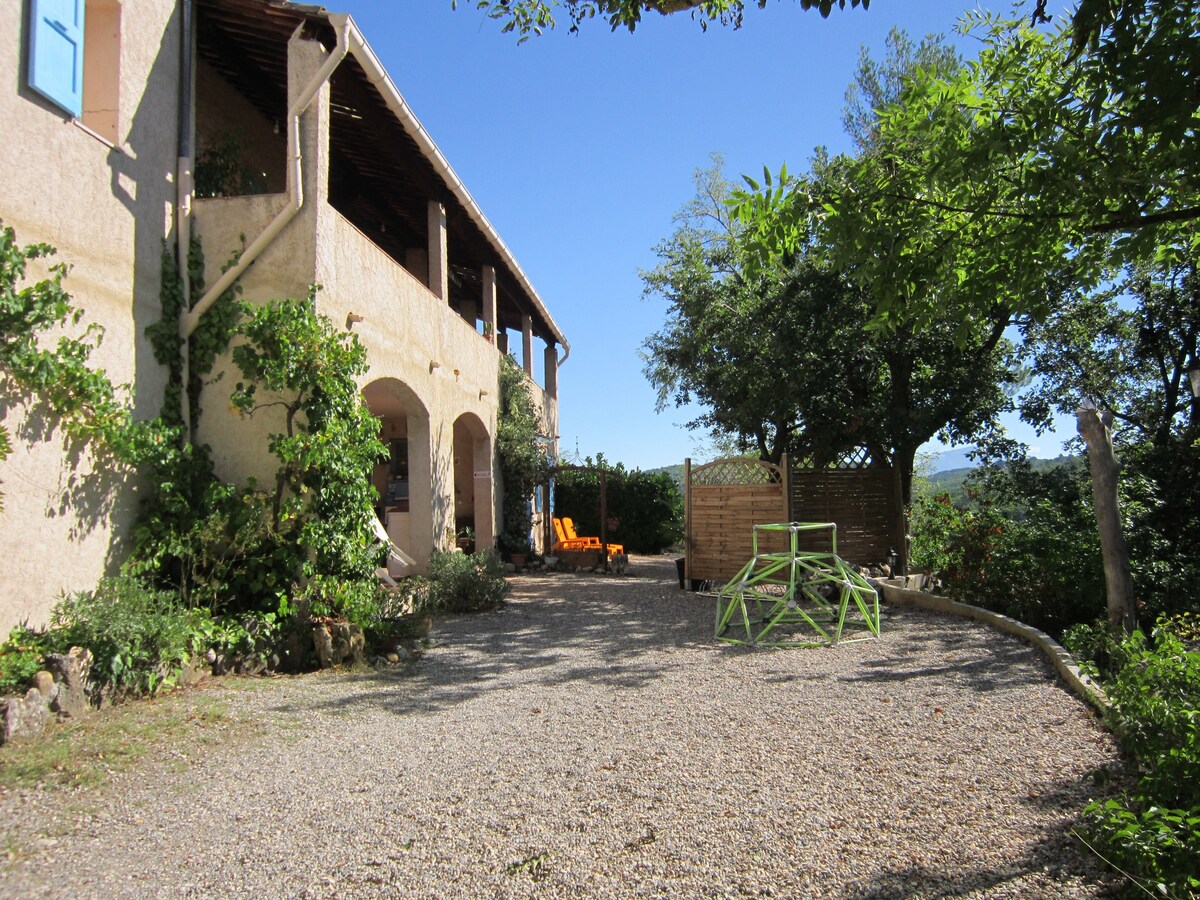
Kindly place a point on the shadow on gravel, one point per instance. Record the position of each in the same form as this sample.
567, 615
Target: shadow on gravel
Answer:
1056, 857
549, 622
618, 632
970, 658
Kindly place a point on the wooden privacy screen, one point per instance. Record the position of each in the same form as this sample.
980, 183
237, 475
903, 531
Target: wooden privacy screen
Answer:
727, 498
724, 501
861, 502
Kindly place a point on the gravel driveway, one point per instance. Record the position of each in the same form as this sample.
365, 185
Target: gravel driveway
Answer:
591, 739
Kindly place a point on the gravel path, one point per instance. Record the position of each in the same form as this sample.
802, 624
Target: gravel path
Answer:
591, 739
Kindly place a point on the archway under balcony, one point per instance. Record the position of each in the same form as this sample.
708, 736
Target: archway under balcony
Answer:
474, 503
403, 482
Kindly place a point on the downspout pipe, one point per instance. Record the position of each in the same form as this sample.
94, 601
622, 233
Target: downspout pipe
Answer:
183, 188
191, 320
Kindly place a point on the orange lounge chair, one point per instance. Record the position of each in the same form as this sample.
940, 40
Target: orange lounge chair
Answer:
592, 543
563, 542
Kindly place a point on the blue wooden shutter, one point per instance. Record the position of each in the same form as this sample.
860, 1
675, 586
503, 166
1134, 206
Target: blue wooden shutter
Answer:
56, 52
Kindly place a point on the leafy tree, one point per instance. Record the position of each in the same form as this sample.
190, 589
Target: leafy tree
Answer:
785, 360
233, 547
295, 361
878, 83
740, 346
529, 17
1028, 163
1127, 348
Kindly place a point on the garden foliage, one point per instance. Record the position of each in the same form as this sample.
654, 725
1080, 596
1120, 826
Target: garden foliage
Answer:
646, 508
1153, 681
140, 638
520, 455
466, 582
1024, 545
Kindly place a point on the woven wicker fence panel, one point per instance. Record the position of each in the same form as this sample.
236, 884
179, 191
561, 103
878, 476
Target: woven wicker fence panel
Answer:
861, 502
726, 500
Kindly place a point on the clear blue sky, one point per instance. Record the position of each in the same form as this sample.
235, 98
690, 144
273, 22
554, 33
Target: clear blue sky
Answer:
580, 148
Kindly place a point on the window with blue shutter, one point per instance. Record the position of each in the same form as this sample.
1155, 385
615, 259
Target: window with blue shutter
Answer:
56, 52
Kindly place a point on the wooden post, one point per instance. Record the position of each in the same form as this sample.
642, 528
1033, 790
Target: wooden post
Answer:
687, 523
604, 518
1094, 426
786, 468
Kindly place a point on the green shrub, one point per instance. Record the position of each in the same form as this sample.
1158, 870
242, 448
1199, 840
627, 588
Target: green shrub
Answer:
1154, 833
463, 582
402, 613
355, 600
1025, 545
21, 656
140, 638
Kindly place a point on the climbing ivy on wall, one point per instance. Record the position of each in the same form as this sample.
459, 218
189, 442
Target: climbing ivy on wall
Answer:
519, 454
58, 376
54, 377
220, 545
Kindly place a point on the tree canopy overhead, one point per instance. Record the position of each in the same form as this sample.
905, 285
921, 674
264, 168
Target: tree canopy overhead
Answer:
531, 17
1052, 154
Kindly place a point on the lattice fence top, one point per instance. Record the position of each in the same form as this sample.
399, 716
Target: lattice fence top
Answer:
737, 471
857, 458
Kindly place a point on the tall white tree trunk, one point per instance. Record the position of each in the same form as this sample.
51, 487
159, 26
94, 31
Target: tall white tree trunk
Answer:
1095, 427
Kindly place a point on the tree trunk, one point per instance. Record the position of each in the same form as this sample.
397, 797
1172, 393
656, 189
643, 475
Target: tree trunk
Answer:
903, 459
1096, 431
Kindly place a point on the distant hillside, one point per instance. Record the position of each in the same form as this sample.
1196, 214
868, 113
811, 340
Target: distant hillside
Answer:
953, 481
948, 481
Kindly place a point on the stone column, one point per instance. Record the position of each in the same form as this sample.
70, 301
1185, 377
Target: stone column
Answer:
485, 498
488, 300
551, 357
416, 260
527, 344
439, 267
425, 524
469, 312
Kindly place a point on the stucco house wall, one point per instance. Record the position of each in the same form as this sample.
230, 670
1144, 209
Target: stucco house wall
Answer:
445, 368
105, 205
102, 190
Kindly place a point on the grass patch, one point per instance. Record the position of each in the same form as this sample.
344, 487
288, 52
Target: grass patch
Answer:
81, 754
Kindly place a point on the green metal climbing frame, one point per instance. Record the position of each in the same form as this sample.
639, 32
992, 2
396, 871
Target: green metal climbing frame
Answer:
797, 598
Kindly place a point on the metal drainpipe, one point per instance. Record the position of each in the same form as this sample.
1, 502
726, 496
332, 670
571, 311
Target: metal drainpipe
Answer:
183, 193
190, 318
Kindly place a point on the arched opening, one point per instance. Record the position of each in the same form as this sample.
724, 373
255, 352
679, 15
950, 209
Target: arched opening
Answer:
474, 505
402, 482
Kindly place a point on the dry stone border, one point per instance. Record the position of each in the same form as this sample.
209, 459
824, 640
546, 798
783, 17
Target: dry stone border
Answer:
592, 740
61, 691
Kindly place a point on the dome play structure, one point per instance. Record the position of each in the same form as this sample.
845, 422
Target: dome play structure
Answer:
796, 598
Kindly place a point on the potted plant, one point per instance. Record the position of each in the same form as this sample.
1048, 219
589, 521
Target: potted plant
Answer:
515, 547
466, 539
